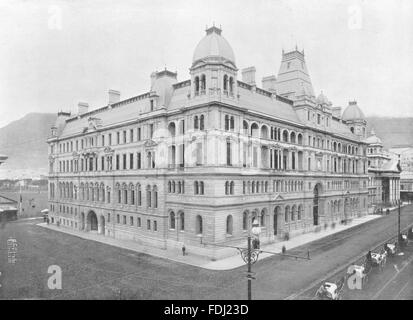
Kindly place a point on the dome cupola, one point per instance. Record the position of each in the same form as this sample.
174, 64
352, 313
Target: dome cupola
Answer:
353, 112
213, 48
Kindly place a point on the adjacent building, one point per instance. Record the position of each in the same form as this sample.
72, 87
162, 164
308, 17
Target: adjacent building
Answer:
384, 175
194, 162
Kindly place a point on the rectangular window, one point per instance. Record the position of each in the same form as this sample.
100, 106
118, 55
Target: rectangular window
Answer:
131, 221
139, 134
229, 154
124, 137
117, 218
318, 119
151, 127
199, 154
138, 161
131, 161
148, 224
117, 162
103, 140
155, 226
117, 137
131, 135
182, 126
102, 165
124, 219
139, 222
124, 161
152, 105
110, 139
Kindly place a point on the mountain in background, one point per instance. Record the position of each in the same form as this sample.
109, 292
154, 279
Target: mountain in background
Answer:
392, 131
24, 141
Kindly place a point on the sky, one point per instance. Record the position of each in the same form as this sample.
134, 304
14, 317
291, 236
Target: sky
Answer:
54, 54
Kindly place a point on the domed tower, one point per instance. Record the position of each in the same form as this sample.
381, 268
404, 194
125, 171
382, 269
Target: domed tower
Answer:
354, 118
213, 67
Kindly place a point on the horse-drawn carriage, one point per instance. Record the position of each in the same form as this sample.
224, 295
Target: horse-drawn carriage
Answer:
379, 259
331, 290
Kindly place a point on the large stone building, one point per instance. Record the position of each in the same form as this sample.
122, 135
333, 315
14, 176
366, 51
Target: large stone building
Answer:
195, 161
384, 175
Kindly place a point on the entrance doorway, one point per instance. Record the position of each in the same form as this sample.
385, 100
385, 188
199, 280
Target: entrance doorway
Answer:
92, 221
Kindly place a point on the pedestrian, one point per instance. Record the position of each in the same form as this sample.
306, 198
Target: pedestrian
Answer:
183, 250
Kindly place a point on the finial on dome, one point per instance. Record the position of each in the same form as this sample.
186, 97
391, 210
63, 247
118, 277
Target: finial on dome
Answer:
214, 29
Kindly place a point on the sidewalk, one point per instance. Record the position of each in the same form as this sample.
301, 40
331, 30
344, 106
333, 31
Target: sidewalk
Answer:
228, 263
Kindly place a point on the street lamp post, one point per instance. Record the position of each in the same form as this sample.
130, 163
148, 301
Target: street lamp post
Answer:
251, 253
398, 226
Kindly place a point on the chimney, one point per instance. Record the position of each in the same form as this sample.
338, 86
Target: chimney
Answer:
268, 83
248, 75
82, 107
114, 96
336, 112
153, 78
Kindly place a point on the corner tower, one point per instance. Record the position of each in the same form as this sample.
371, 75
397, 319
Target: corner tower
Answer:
213, 69
293, 78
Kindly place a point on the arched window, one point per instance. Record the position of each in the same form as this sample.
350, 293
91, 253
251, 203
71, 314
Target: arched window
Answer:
285, 136
292, 137
182, 221
231, 187
148, 197
245, 127
225, 83
229, 225
300, 212
139, 195
172, 129
231, 85
169, 186
125, 194
245, 220
287, 213
196, 123
198, 225
196, 86
155, 196
201, 122
196, 187
293, 212
172, 220
254, 130
262, 218
203, 84
231, 123
226, 187
201, 187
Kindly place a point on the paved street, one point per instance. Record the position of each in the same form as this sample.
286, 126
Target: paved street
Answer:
97, 271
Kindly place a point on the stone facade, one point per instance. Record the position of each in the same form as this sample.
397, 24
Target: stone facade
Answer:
193, 162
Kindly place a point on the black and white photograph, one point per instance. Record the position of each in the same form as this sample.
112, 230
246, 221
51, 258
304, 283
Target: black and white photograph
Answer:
206, 150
